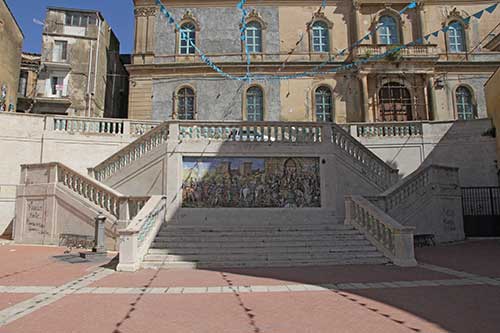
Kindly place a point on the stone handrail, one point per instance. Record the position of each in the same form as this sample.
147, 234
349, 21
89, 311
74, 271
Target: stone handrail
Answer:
101, 126
392, 129
113, 202
279, 132
97, 193
375, 168
136, 239
130, 153
413, 183
394, 240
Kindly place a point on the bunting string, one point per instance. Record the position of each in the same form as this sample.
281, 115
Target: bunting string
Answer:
315, 71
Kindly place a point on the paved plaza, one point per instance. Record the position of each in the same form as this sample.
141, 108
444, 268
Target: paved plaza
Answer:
455, 288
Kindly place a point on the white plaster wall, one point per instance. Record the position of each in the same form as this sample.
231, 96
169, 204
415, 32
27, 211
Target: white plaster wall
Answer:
24, 140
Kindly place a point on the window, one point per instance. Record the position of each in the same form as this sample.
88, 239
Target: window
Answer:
254, 37
187, 38
388, 32
80, 19
60, 51
323, 104
320, 37
465, 106
456, 37
255, 104
23, 83
56, 86
395, 102
185, 104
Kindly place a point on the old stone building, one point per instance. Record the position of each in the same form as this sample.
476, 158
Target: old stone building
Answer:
438, 79
81, 71
11, 39
28, 78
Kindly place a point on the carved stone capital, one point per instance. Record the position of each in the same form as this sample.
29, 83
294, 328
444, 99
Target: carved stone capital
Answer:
145, 11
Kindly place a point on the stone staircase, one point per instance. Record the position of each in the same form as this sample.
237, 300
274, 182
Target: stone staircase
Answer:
278, 244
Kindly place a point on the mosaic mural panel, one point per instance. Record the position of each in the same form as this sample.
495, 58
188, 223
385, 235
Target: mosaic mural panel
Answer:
270, 182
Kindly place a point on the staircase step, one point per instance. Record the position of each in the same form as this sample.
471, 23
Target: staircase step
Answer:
269, 239
257, 243
260, 256
255, 228
262, 250
254, 263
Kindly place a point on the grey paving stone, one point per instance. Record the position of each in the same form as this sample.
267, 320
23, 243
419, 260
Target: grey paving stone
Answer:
311, 287
296, 287
103, 290
175, 290
259, 289
85, 290
244, 289
214, 290
194, 290
157, 291
123, 291
228, 289
278, 289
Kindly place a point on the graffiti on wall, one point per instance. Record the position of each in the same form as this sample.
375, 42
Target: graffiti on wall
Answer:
3, 98
212, 182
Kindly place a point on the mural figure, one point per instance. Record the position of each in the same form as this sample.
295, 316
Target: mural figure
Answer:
251, 182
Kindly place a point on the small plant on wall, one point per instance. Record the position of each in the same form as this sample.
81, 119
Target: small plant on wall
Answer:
393, 55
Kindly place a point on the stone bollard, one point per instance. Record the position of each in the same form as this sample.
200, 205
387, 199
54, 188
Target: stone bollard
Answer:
100, 235
99, 250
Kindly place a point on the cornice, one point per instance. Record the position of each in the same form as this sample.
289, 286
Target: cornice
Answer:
302, 3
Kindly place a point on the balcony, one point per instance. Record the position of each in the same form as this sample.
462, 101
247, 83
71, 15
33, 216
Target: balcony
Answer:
420, 52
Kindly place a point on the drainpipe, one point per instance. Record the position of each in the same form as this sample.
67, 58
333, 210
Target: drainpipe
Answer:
96, 65
87, 113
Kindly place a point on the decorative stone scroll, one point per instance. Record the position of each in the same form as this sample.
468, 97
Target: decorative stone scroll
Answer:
145, 11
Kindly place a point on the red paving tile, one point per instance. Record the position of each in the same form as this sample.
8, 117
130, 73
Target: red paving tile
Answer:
479, 257
8, 300
268, 276
34, 266
471, 309
306, 312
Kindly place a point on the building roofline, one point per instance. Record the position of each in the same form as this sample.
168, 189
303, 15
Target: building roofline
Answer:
14, 18
68, 9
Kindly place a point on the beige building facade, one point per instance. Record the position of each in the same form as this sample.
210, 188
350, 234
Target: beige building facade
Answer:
11, 39
438, 79
81, 71
28, 79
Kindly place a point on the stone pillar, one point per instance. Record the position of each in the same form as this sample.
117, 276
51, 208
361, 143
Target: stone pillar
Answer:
100, 235
366, 103
421, 21
357, 19
431, 97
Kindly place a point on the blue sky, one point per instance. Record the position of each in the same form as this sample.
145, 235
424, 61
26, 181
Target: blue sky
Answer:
119, 14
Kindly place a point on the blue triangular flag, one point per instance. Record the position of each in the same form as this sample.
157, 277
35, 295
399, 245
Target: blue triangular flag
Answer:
412, 5
427, 37
478, 14
418, 41
435, 33
466, 20
367, 37
445, 29
491, 8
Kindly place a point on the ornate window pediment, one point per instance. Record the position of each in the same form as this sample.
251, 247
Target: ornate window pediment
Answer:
319, 16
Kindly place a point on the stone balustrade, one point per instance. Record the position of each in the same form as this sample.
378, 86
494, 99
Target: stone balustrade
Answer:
390, 237
113, 202
415, 51
136, 239
101, 126
268, 132
392, 129
130, 153
381, 173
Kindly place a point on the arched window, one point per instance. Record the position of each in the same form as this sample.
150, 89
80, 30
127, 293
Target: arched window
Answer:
395, 102
388, 32
187, 38
456, 37
320, 37
323, 104
255, 104
465, 106
254, 37
185, 104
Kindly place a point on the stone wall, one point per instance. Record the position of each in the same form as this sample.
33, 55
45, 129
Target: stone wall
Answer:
11, 39
492, 89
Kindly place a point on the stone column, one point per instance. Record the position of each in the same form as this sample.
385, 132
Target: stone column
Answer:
431, 97
357, 19
364, 91
421, 21
100, 246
